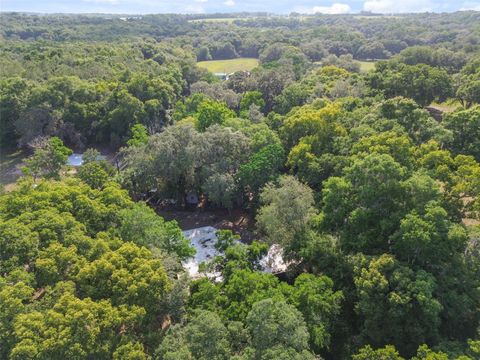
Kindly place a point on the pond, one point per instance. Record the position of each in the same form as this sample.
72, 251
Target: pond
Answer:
76, 159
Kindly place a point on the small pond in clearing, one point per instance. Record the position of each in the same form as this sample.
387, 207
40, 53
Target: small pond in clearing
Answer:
76, 159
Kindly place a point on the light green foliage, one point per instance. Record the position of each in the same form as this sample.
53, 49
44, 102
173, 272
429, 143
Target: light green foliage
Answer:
386, 353
94, 171
225, 239
424, 353
428, 239
14, 296
94, 174
18, 244
83, 296
469, 88
399, 147
130, 351
129, 275
307, 120
139, 135
73, 328
260, 136
415, 121
229, 66
211, 112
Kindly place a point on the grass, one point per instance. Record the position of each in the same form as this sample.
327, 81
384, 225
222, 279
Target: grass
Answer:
447, 106
10, 164
229, 66
366, 66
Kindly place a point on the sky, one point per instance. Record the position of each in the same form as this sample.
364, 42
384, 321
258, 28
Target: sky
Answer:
211, 6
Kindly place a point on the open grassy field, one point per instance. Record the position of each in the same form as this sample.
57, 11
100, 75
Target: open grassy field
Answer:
229, 66
219, 20
366, 66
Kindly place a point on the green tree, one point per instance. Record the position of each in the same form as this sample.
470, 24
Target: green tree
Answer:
250, 98
389, 290
73, 328
204, 337
94, 174
13, 301
421, 83
320, 305
308, 120
424, 353
245, 287
221, 189
355, 205
386, 353
465, 127
262, 167
428, 239
211, 112
141, 225
139, 135
287, 210
275, 324
48, 159
129, 275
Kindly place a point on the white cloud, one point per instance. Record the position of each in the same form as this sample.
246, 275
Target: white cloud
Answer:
201, 1
110, 2
398, 6
229, 3
470, 5
194, 9
335, 8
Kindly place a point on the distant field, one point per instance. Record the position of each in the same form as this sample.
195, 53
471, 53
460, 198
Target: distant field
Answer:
366, 66
229, 66
214, 20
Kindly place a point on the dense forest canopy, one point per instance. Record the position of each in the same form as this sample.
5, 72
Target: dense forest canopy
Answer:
354, 145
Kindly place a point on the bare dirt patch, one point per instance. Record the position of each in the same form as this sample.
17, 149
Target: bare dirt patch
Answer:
237, 220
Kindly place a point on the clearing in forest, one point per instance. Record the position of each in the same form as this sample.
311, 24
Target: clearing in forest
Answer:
366, 66
229, 66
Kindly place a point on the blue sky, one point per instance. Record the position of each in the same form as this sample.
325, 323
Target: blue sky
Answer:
209, 6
